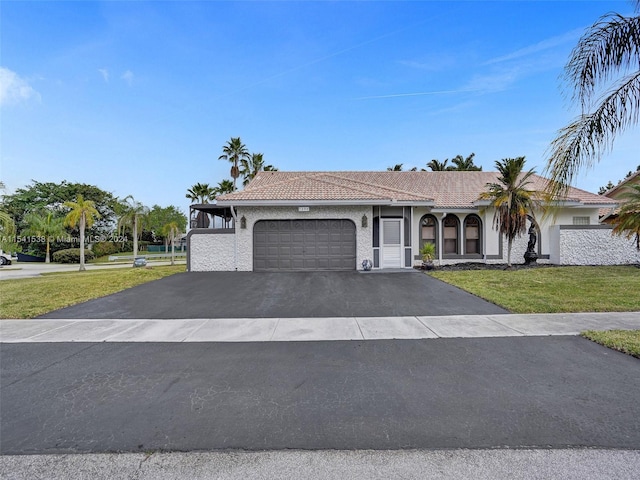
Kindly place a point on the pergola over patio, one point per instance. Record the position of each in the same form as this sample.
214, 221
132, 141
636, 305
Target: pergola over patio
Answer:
210, 215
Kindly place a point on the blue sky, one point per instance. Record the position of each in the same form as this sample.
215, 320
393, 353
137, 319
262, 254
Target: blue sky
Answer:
139, 97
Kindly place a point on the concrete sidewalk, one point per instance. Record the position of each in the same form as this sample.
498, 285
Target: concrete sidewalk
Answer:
311, 329
515, 464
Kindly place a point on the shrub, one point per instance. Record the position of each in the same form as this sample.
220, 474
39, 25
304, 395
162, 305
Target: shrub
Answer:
71, 255
101, 249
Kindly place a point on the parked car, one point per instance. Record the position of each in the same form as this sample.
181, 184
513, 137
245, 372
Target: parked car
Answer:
5, 258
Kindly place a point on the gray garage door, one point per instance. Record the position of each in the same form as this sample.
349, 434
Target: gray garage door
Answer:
304, 245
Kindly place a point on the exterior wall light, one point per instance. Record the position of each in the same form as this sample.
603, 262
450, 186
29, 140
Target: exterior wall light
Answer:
365, 221
243, 222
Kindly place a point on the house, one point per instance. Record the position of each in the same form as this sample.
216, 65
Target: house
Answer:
290, 221
617, 193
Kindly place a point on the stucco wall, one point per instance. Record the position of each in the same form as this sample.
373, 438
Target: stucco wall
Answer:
364, 244
592, 246
210, 251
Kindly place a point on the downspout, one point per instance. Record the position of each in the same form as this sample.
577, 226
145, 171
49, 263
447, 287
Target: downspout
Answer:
235, 238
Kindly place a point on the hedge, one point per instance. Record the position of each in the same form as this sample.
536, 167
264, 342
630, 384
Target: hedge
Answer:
71, 255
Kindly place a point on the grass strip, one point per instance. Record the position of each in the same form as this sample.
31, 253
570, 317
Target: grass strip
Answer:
30, 297
625, 341
553, 289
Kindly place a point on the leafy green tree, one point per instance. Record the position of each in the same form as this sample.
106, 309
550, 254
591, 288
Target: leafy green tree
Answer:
437, 166
45, 225
41, 196
511, 200
201, 193
83, 213
606, 59
161, 216
604, 189
396, 168
628, 221
234, 152
134, 215
464, 164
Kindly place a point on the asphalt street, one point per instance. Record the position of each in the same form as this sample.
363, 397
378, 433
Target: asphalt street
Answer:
549, 392
284, 295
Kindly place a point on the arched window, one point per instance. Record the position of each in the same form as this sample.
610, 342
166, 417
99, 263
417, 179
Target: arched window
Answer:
451, 227
429, 231
472, 235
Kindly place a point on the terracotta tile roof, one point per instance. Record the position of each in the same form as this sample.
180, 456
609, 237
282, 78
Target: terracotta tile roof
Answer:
442, 189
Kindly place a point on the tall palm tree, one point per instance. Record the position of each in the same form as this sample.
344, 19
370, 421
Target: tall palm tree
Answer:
170, 230
44, 225
134, 214
201, 193
437, 166
628, 221
83, 213
249, 167
234, 151
511, 200
465, 164
607, 58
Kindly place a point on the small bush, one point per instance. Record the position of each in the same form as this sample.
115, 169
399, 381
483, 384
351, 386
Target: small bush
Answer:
71, 255
101, 249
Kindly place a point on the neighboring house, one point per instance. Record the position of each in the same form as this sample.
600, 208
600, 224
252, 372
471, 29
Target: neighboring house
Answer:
289, 221
609, 215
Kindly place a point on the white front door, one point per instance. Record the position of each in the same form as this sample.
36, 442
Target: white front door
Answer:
391, 243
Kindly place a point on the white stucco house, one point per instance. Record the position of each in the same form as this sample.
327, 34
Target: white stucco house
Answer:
291, 221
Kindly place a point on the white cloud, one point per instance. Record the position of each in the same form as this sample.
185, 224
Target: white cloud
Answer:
14, 89
105, 74
547, 44
127, 77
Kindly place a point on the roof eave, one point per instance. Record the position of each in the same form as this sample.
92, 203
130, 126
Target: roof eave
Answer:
299, 203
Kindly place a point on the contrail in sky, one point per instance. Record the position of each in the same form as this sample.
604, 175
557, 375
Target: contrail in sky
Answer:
417, 94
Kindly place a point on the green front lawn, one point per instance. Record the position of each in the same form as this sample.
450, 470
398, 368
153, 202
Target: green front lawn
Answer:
625, 341
30, 297
553, 289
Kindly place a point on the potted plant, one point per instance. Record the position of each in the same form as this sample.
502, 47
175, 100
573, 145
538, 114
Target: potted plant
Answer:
428, 252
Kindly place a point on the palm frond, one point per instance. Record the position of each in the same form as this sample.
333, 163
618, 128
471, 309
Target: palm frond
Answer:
581, 143
611, 45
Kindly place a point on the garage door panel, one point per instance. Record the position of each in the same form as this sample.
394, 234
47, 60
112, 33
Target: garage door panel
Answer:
304, 245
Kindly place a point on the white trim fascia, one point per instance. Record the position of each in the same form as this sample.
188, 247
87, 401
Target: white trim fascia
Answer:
308, 203
455, 210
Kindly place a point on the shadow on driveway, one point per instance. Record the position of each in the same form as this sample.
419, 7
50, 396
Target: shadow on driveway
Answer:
284, 295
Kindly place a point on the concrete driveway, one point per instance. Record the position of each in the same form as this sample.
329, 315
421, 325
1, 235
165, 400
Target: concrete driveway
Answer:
285, 295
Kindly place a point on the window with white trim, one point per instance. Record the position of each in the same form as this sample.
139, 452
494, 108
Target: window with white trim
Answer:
581, 220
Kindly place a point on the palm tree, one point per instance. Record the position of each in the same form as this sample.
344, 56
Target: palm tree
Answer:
607, 58
628, 221
437, 166
465, 164
170, 230
225, 186
234, 151
511, 199
134, 214
7, 231
83, 213
396, 168
249, 167
201, 193
44, 225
